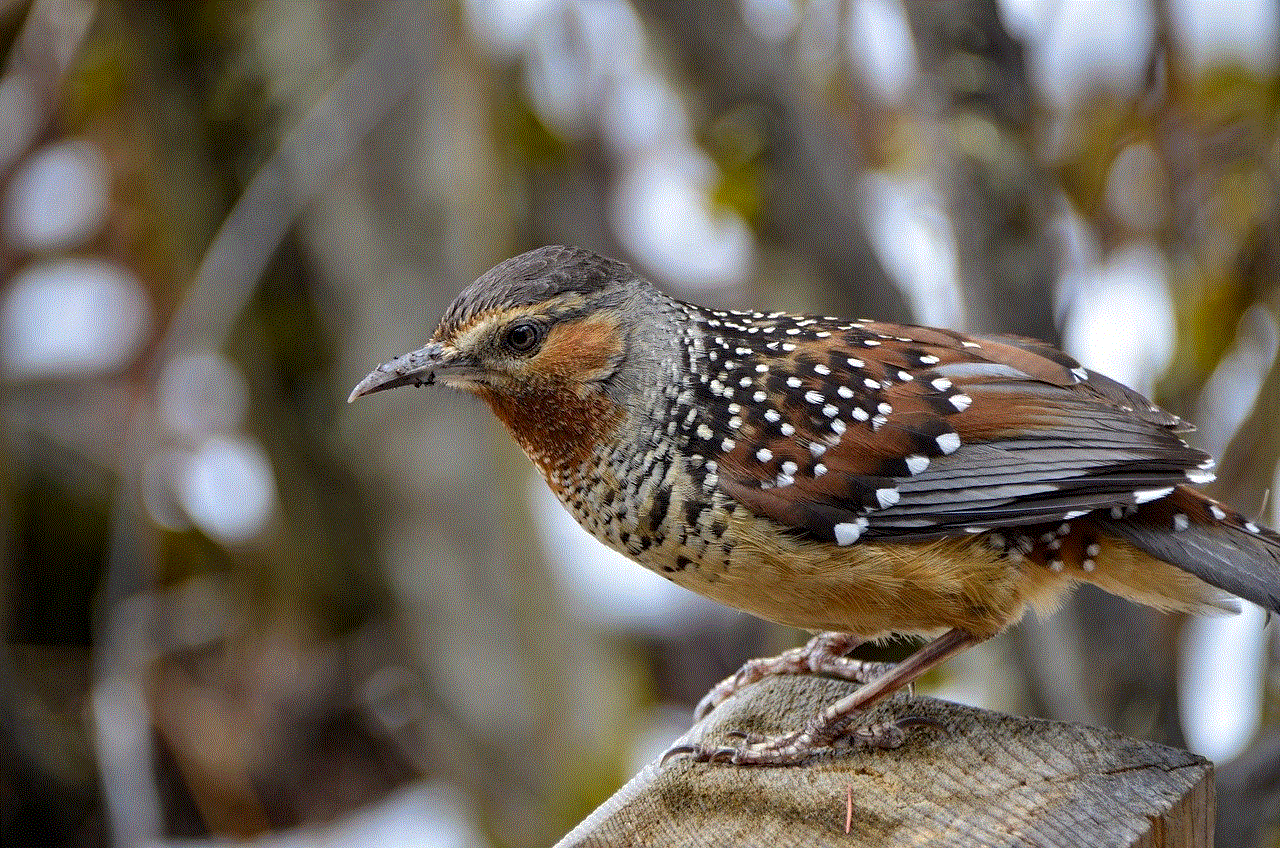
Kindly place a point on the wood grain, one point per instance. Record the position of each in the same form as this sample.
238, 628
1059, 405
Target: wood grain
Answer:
986, 780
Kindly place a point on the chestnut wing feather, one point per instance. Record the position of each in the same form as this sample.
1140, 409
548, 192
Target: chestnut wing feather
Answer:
922, 434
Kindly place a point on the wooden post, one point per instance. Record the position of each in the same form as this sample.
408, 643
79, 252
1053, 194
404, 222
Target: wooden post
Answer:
986, 780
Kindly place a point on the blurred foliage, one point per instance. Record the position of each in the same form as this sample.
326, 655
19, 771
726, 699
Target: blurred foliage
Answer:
61, 524
395, 621
534, 146
736, 143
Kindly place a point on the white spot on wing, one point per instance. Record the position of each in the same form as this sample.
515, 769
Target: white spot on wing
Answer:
917, 463
849, 532
887, 497
950, 443
1146, 495
764, 454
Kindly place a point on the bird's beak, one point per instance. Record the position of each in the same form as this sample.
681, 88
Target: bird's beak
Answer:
418, 368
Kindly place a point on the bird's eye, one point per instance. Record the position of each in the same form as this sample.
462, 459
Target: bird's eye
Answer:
523, 337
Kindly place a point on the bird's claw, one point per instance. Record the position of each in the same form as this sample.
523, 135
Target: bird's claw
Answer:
754, 750
911, 722
800, 747
677, 750
724, 754
825, 654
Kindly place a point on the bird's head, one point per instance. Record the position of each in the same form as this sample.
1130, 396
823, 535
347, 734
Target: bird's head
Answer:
549, 338
549, 317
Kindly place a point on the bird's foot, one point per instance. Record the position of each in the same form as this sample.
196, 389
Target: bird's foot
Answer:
802, 746
824, 654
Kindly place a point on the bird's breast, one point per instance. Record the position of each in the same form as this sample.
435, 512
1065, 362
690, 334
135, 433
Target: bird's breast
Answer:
559, 427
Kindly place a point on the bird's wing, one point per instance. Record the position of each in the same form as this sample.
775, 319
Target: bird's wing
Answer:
910, 433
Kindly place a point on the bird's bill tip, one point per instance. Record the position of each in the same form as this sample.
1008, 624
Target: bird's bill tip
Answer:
370, 384
416, 368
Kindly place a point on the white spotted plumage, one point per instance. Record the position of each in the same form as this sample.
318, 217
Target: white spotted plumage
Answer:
799, 408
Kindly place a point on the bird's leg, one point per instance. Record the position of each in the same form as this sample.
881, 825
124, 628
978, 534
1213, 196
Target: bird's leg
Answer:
829, 730
826, 653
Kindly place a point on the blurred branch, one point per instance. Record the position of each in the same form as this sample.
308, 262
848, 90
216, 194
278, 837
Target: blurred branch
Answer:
811, 200
1249, 795
49, 40
303, 166
978, 102
27, 758
122, 722
1247, 469
300, 170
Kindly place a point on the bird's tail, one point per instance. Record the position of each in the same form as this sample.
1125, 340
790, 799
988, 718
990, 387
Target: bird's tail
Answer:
1204, 538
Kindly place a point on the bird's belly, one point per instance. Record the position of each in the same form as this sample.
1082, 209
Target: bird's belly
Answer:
868, 589
714, 546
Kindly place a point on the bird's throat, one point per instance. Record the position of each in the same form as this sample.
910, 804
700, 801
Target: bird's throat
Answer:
560, 426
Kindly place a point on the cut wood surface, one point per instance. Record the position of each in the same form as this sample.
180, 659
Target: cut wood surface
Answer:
986, 780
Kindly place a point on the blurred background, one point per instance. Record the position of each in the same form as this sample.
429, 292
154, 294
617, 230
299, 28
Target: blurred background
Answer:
236, 608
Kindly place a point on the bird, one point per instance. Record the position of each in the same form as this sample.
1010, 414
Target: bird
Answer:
856, 479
